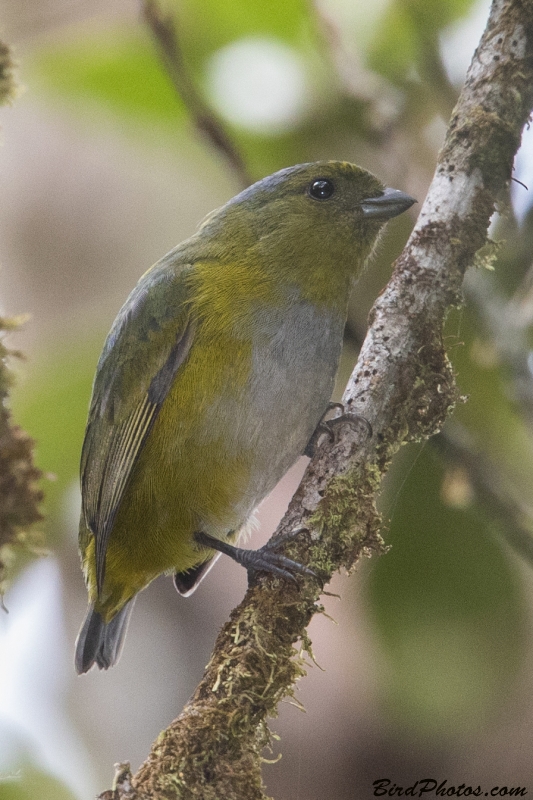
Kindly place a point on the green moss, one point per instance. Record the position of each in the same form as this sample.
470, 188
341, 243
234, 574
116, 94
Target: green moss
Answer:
486, 257
20, 496
347, 520
8, 84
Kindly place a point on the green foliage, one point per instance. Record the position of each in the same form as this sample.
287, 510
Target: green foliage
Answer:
33, 784
488, 415
116, 68
119, 67
447, 600
448, 610
208, 25
405, 29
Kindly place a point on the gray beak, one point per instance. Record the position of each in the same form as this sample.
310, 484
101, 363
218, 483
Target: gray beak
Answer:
389, 204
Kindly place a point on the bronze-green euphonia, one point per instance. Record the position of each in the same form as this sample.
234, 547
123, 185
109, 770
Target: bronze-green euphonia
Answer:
212, 380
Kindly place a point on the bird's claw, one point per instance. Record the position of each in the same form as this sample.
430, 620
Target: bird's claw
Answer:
330, 427
265, 559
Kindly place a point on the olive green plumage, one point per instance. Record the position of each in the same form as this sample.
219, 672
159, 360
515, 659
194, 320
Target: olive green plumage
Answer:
213, 378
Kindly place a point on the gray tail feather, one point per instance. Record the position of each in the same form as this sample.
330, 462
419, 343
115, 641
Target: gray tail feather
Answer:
101, 642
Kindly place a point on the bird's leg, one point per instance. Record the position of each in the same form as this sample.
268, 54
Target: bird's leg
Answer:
265, 559
328, 427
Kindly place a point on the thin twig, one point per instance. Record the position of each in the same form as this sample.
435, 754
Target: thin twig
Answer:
163, 28
380, 101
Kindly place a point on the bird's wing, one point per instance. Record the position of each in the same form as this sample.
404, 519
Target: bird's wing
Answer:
149, 341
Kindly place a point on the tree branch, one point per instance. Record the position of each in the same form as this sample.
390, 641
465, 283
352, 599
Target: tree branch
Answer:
164, 31
8, 84
404, 386
20, 496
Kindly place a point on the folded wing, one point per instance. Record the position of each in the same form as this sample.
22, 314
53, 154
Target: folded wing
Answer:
146, 346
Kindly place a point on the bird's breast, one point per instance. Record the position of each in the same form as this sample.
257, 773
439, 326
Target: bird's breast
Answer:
294, 360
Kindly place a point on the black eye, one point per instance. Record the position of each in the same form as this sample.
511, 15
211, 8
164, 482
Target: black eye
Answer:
321, 189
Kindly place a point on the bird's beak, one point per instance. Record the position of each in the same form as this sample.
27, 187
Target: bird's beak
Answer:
389, 204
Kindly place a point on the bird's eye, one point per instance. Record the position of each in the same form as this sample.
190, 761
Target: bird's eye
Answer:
321, 189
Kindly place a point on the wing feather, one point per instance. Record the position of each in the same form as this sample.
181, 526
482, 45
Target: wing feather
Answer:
153, 328
126, 446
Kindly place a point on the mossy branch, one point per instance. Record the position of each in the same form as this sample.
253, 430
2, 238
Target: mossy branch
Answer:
404, 387
8, 84
20, 497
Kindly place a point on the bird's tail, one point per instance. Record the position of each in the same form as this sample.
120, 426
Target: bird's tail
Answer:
101, 642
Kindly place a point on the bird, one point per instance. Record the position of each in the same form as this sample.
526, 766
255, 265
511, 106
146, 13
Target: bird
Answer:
212, 381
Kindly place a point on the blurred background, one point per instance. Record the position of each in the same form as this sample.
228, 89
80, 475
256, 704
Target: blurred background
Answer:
427, 669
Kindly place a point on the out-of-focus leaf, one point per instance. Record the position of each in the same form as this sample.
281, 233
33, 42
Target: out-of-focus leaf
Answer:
120, 66
407, 26
31, 785
447, 600
448, 609
433, 15
117, 68
206, 25
489, 416
397, 28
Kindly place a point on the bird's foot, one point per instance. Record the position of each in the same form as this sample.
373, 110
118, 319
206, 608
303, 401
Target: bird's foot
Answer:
265, 559
331, 427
